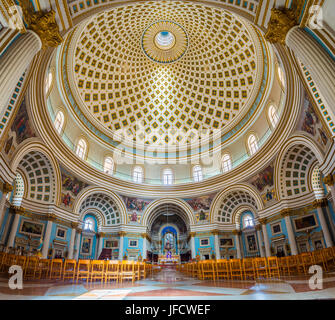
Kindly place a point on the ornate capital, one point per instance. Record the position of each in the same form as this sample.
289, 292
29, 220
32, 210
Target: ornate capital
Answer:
101, 234
19, 210
281, 21
192, 234
262, 220
74, 225
51, 217
79, 231
6, 187
319, 203
215, 232
122, 233
329, 180
237, 232
285, 212
42, 23
258, 227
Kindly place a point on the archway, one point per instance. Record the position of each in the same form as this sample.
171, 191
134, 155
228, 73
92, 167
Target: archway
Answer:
169, 228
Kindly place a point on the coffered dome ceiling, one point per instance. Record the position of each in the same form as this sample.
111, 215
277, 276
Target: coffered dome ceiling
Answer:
158, 70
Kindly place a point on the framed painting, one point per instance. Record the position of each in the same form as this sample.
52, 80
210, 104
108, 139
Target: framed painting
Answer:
86, 246
111, 244
276, 228
305, 223
251, 242
61, 233
204, 242
227, 242
133, 243
31, 228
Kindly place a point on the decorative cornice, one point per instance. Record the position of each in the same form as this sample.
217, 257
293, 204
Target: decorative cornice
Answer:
281, 21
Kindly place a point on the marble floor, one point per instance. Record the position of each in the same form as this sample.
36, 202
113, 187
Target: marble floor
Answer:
169, 284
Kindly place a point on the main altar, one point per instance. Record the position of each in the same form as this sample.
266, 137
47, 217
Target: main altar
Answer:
168, 259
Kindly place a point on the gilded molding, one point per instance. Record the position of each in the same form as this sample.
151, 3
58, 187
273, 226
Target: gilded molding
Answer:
281, 21
122, 233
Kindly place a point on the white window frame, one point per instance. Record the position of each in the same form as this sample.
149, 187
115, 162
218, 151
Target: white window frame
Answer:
59, 121
226, 162
138, 175
109, 165
81, 149
252, 145
197, 173
167, 177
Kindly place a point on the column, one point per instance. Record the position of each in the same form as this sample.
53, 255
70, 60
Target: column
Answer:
145, 245
78, 235
46, 240
317, 61
73, 236
15, 61
291, 236
121, 234
283, 28
329, 181
260, 240
216, 244
192, 244
100, 244
6, 188
330, 219
11, 239
318, 204
238, 244
266, 237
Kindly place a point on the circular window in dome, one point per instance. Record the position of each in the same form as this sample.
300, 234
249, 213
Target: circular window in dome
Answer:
165, 40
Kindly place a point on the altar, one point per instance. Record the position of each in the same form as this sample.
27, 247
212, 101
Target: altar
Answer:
168, 260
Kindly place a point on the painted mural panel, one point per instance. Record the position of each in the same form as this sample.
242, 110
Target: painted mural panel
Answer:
201, 206
311, 123
135, 208
264, 182
20, 130
71, 187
